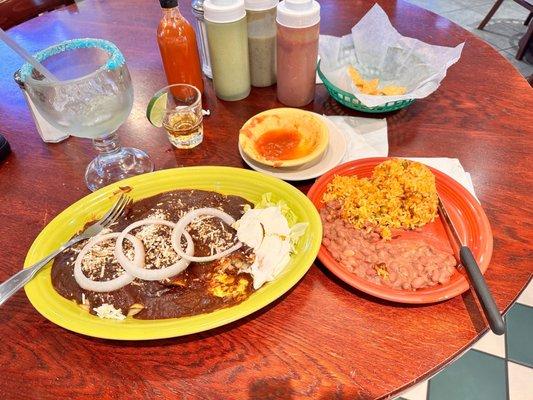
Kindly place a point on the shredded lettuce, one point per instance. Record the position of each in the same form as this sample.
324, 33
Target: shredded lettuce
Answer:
297, 231
266, 201
297, 228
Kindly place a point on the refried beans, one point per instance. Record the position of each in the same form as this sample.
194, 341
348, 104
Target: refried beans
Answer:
397, 263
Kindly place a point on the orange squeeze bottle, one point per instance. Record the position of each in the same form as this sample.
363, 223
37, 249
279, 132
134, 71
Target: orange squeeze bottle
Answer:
177, 44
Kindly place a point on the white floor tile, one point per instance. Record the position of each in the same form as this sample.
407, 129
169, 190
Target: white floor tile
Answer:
508, 10
523, 67
527, 295
417, 392
492, 344
437, 6
463, 17
520, 382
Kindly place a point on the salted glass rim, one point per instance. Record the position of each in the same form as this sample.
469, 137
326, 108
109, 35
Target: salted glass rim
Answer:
114, 61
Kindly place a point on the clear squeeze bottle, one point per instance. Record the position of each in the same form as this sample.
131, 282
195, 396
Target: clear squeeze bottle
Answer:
177, 44
228, 48
298, 24
261, 17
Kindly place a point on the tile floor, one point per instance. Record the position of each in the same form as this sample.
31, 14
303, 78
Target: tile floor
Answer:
503, 31
495, 368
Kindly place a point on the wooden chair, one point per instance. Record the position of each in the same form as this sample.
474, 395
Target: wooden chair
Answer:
14, 12
526, 39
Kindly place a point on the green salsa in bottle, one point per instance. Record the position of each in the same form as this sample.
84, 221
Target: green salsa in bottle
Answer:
228, 48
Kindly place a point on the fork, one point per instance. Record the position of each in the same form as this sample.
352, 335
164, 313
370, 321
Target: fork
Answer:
17, 281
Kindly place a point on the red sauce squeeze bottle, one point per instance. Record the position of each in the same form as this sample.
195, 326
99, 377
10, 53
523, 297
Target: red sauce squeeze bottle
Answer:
298, 24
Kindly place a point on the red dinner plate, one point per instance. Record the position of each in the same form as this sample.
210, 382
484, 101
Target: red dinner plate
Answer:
465, 212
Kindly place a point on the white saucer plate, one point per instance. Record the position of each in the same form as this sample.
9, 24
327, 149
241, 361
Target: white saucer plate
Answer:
329, 159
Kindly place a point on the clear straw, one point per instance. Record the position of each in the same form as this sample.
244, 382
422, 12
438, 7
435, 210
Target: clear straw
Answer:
27, 56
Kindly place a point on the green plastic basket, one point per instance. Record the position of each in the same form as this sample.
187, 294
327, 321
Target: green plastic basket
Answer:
350, 101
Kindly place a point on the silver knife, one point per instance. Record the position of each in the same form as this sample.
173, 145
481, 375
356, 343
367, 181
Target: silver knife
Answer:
474, 274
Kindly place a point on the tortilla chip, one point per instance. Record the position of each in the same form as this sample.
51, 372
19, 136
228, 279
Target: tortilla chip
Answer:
393, 90
371, 87
356, 77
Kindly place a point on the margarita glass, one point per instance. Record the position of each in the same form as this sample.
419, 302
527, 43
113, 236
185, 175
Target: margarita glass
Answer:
92, 97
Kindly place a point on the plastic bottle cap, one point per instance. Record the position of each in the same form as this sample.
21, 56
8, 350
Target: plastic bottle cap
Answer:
224, 11
168, 3
298, 13
260, 5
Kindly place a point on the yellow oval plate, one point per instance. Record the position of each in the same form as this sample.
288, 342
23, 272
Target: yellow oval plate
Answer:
248, 184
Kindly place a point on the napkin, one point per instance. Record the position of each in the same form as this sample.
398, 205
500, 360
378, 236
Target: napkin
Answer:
377, 50
48, 132
451, 167
367, 137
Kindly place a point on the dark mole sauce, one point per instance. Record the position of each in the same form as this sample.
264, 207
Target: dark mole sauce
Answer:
182, 295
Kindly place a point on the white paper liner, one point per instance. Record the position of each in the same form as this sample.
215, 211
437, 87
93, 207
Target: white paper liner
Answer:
377, 50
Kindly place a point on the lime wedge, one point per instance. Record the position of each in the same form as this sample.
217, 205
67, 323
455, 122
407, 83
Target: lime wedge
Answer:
155, 112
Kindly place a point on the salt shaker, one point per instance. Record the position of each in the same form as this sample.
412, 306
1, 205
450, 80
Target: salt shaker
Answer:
203, 49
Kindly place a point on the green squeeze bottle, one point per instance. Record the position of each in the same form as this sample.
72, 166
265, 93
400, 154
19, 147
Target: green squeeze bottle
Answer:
228, 48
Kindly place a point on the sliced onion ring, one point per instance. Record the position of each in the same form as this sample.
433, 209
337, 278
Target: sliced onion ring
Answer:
112, 284
137, 269
179, 230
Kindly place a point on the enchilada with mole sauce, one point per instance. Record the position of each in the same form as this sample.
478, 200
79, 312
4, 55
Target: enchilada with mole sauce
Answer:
202, 287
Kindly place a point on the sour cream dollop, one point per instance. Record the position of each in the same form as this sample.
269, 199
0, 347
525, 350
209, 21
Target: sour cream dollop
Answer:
267, 232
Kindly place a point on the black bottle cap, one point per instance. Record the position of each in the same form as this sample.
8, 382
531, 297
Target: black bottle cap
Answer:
4, 147
168, 3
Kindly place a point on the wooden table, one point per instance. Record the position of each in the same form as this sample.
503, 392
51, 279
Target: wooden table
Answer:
322, 339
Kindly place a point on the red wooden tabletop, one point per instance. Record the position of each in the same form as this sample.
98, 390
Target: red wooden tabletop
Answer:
322, 339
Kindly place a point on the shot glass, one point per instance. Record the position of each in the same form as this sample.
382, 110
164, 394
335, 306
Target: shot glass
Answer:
182, 114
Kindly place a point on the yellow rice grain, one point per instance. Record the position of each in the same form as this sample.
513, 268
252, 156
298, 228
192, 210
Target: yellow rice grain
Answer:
400, 194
